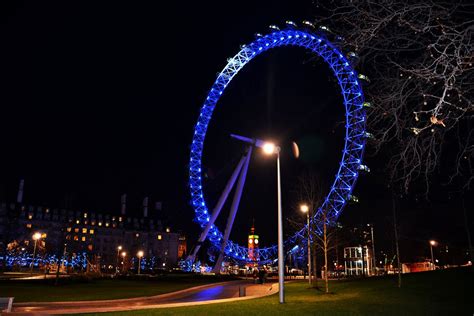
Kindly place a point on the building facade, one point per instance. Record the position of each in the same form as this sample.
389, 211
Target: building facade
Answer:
357, 261
109, 240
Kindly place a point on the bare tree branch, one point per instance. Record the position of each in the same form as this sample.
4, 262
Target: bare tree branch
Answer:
419, 56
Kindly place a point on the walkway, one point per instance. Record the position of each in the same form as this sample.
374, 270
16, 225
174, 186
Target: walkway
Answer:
200, 295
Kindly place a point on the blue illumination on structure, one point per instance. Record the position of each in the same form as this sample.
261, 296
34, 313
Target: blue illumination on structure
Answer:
353, 96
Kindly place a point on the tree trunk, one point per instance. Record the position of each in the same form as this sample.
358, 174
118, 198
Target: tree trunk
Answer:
396, 241
315, 267
325, 255
468, 233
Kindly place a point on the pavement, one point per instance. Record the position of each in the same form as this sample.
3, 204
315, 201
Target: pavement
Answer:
199, 295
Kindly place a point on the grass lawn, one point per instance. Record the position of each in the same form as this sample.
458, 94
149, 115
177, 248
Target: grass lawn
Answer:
448, 292
101, 289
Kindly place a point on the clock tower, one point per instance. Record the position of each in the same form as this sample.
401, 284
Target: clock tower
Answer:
253, 245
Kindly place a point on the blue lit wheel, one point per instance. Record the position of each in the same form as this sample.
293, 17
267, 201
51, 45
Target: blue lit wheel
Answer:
347, 174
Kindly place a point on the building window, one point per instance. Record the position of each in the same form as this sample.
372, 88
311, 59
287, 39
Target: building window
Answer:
93, 223
76, 238
83, 238
85, 215
68, 229
107, 224
84, 230
28, 225
120, 218
30, 216
91, 231
68, 237
159, 237
76, 230
77, 221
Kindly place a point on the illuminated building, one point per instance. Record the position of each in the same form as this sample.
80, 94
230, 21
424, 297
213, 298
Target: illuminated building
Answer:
253, 245
96, 235
357, 260
182, 247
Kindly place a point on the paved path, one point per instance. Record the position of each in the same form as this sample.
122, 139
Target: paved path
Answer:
200, 295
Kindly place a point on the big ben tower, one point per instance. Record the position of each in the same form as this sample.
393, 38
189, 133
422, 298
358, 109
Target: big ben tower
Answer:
253, 245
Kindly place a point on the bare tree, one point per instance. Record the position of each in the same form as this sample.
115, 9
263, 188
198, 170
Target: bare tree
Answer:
327, 240
323, 230
419, 58
309, 190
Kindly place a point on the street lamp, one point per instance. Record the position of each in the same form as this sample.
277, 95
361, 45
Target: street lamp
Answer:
270, 149
36, 237
432, 243
117, 259
123, 254
374, 262
139, 255
305, 209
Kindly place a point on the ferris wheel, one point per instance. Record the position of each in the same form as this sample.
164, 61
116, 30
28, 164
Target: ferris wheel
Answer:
316, 41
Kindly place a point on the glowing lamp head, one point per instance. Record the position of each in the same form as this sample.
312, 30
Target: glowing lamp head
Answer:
269, 148
304, 208
119, 248
36, 236
433, 242
124, 254
140, 254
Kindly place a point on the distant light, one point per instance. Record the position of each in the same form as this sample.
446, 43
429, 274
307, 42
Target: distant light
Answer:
140, 254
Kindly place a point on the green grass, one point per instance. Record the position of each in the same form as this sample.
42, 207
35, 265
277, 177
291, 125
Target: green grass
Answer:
101, 289
448, 292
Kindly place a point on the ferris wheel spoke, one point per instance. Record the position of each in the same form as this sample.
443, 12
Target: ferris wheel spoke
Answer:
218, 207
233, 210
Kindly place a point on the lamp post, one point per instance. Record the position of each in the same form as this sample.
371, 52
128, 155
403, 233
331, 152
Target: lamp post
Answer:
270, 149
432, 243
124, 254
139, 255
305, 209
374, 262
117, 259
36, 237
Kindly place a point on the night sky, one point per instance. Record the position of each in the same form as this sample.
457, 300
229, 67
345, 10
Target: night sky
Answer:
100, 99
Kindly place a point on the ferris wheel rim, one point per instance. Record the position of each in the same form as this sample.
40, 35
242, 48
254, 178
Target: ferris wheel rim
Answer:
354, 141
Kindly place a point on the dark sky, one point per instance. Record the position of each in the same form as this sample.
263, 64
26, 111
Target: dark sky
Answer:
100, 99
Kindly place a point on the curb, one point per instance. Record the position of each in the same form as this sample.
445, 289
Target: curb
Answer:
124, 300
272, 290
